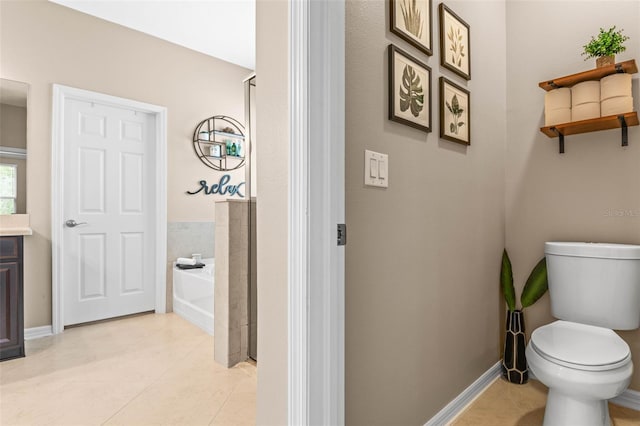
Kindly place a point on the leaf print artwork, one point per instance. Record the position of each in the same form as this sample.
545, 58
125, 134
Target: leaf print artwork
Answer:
456, 47
409, 87
412, 17
456, 111
455, 43
411, 93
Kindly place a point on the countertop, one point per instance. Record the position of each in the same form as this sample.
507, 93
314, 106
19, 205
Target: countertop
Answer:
15, 224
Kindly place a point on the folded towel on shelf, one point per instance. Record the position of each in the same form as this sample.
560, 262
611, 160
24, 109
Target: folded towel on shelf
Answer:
185, 261
196, 266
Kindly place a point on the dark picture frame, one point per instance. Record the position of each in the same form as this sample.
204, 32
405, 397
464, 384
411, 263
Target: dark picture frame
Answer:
455, 42
409, 90
455, 112
408, 21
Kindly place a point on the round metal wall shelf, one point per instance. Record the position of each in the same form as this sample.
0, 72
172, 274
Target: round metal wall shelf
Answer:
219, 143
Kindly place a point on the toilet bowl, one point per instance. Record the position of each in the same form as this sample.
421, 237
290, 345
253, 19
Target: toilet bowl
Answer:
594, 289
583, 366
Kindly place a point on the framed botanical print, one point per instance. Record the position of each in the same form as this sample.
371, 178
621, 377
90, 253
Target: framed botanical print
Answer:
455, 112
409, 90
455, 43
411, 21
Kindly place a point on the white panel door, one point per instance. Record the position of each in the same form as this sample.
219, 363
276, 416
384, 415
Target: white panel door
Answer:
108, 193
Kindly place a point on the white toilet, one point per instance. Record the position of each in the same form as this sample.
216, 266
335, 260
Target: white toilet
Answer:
594, 288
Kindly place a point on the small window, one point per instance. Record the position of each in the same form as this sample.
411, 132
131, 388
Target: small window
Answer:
8, 188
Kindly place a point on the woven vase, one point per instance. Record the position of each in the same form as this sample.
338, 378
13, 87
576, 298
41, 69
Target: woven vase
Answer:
603, 61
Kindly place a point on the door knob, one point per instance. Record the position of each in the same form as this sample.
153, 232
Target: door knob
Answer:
72, 223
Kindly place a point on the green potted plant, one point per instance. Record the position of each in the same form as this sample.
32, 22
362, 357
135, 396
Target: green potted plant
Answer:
605, 46
514, 363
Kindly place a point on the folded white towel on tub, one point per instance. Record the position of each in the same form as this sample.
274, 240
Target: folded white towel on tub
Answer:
185, 261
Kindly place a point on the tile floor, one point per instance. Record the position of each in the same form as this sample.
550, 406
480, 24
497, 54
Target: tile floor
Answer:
506, 404
159, 369
144, 370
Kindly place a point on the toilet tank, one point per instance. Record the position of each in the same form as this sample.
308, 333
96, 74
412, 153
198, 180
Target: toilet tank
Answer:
596, 284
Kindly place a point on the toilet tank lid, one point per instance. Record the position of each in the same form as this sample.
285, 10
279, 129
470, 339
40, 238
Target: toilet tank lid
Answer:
599, 250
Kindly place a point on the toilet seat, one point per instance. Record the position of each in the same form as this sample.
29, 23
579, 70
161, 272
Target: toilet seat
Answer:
580, 346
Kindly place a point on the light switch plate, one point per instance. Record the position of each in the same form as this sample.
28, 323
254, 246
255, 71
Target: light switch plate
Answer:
376, 169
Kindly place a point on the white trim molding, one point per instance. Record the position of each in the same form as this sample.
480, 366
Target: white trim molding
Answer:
298, 256
316, 206
161, 208
455, 407
629, 398
38, 332
14, 153
60, 94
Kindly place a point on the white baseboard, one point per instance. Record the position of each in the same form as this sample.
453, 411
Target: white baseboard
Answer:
455, 407
629, 398
37, 332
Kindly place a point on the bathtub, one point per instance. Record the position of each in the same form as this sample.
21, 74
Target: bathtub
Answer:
193, 294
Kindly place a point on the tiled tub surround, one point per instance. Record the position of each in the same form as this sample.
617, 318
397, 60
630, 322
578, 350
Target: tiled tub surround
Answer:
184, 239
231, 277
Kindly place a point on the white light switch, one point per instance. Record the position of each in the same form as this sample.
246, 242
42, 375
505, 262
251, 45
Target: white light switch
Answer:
373, 164
382, 171
376, 169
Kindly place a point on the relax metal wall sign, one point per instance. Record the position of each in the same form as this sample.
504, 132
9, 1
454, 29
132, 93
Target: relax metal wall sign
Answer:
220, 188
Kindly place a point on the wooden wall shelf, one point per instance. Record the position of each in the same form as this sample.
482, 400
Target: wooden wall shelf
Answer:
592, 125
620, 121
594, 74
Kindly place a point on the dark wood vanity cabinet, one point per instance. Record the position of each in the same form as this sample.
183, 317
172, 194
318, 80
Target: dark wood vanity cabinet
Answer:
11, 295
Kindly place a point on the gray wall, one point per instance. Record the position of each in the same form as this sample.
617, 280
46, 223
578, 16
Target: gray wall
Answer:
422, 262
553, 197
